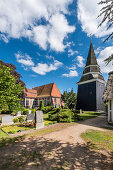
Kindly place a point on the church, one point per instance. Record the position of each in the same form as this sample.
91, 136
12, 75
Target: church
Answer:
91, 85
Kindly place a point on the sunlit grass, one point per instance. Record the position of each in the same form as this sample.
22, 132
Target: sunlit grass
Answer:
101, 140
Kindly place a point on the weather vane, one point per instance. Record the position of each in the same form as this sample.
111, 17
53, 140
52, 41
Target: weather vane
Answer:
90, 37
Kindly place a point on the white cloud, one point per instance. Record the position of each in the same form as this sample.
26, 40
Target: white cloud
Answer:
102, 56
72, 73
80, 61
71, 52
97, 51
24, 59
59, 29
20, 18
42, 69
88, 11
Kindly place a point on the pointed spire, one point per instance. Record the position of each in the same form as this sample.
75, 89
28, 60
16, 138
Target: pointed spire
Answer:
91, 60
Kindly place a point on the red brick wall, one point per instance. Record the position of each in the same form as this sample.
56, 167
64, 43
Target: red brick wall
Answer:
55, 91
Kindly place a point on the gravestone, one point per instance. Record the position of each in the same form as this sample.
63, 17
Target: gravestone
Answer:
30, 117
39, 120
18, 113
7, 120
29, 111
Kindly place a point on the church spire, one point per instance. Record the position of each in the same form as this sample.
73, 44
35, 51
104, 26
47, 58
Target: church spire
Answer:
91, 60
92, 69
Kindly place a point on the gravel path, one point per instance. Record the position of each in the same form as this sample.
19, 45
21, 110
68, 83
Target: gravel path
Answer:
61, 150
72, 134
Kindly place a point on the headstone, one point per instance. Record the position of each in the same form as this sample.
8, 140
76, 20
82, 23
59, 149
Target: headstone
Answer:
39, 120
30, 117
80, 111
18, 113
7, 120
29, 111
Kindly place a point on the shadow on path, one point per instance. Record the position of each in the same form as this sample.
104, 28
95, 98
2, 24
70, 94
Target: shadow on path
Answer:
43, 154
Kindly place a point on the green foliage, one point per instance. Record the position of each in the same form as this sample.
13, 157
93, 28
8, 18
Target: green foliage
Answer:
15, 120
60, 115
41, 107
9, 90
70, 99
13, 114
66, 107
22, 119
25, 111
48, 109
33, 111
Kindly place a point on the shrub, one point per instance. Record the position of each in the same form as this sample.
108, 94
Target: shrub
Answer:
15, 120
41, 105
65, 116
13, 114
33, 111
22, 118
48, 109
25, 111
66, 107
60, 116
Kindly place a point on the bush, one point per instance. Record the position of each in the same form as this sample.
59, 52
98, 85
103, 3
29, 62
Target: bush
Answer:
41, 105
65, 116
13, 114
33, 111
48, 109
22, 118
25, 111
60, 116
66, 107
15, 120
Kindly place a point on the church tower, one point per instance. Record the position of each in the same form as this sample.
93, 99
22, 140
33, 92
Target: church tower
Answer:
91, 85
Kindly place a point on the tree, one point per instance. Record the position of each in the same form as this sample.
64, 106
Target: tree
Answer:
70, 99
41, 105
107, 13
10, 90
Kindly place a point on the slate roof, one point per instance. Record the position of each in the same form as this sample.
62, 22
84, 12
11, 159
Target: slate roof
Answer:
108, 93
92, 69
91, 59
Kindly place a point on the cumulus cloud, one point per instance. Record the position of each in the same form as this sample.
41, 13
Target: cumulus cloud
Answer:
72, 73
20, 18
42, 69
80, 61
24, 59
88, 11
72, 52
102, 56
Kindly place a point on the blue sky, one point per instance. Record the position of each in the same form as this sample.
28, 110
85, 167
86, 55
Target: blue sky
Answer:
48, 41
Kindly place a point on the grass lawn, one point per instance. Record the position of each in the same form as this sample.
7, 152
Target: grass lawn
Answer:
14, 129
99, 140
89, 115
2, 134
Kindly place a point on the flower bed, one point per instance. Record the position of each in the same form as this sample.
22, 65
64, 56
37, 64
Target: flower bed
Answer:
27, 124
